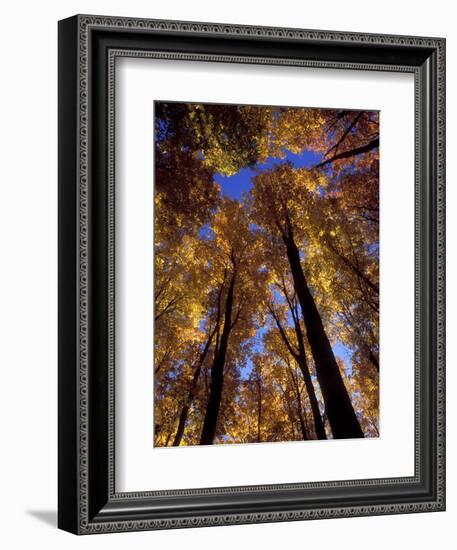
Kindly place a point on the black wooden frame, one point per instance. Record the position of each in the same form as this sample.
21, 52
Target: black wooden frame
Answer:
88, 502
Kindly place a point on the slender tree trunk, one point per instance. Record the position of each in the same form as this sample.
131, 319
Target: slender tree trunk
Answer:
259, 411
289, 411
299, 406
303, 364
340, 411
318, 424
217, 372
192, 390
186, 407
302, 424
184, 413
373, 359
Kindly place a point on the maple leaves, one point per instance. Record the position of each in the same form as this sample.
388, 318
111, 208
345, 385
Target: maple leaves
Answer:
253, 295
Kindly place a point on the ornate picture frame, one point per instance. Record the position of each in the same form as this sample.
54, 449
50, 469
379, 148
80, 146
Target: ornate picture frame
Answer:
88, 48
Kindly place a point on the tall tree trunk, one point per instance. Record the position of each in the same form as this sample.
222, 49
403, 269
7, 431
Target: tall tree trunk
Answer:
372, 358
299, 405
259, 410
318, 424
303, 364
341, 415
192, 390
302, 423
290, 414
217, 372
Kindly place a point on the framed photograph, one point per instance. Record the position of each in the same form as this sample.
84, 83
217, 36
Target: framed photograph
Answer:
251, 274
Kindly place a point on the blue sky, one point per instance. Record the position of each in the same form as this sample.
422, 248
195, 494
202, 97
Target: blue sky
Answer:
241, 182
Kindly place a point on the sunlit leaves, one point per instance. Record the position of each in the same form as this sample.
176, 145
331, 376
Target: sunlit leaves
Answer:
204, 240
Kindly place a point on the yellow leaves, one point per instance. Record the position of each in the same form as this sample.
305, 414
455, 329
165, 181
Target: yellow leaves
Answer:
204, 240
158, 200
296, 129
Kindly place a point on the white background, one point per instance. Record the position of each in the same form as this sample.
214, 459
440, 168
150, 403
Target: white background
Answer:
28, 287
140, 466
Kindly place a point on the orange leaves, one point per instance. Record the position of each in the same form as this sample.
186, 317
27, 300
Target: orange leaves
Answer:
203, 240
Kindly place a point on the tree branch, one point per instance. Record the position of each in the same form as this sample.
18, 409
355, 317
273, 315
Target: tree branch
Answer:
351, 152
283, 334
346, 132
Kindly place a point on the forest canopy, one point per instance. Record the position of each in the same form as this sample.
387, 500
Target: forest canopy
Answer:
266, 252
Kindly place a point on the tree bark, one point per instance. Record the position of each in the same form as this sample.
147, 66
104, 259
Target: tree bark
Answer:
340, 412
302, 423
299, 405
217, 372
192, 389
259, 410
318, 424
373, 144
290, 414
372, 358
302, 362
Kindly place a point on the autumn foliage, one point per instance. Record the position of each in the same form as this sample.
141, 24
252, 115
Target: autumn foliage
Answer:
266, 303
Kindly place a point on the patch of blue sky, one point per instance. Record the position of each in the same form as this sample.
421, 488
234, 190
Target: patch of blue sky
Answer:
345, 354
257, 347
340, 350
277, 295
234, 186
372, 248
306, 159
246, 370
205, 232
240, 183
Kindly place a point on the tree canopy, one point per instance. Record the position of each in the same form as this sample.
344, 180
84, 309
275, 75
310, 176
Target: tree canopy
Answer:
266, 280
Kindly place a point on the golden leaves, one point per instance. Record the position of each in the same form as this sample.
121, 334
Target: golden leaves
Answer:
204, 239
